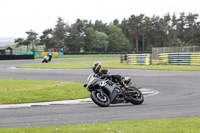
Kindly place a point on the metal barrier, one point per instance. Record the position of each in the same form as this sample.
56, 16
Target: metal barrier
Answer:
195, 59
162, 50
136, 59
180, 58
163, 58
38, 53
123, 58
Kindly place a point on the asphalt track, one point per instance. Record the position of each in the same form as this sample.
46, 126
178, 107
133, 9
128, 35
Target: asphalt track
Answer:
178, 97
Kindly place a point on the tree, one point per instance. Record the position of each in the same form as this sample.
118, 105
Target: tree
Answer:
100, 26
155, 29
47, 39
90, 35
146, 32
198, 34
32, 39
181, 26
59, 33
116, 22
134, 23
191, 29
99, 42
117, 40
167, 27
125, 29
20, 42
95, 41
75, 39
141, 31
173, 31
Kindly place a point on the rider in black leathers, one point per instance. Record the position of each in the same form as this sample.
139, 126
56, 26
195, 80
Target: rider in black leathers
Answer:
50, 56
103, 73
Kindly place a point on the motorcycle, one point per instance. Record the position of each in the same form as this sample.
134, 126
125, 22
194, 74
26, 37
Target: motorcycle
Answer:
104, 92
46, 59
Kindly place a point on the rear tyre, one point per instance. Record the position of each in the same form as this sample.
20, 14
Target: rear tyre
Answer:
102, 101
137, 98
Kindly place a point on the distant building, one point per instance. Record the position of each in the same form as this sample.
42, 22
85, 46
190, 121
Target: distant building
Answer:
3, 50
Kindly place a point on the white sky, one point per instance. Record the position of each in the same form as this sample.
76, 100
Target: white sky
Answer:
19, 16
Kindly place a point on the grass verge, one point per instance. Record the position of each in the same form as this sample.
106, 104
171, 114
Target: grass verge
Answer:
83, 56
190, 125
30, 91
115, 64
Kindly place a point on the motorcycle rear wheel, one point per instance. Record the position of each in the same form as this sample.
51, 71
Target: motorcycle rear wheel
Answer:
102, 101
138, 98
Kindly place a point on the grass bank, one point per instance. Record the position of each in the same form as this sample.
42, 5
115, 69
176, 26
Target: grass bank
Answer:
114, 64
144, 126
81, 56
30, 91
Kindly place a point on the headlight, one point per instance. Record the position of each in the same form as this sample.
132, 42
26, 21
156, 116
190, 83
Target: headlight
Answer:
103, 83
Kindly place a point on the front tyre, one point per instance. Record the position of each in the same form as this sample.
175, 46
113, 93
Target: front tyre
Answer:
137, 98
102, 101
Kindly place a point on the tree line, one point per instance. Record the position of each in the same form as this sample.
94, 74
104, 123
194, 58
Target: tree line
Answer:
136, 33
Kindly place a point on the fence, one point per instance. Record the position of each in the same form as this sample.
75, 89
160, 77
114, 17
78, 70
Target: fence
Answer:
157, 51
180, 58
136, 59
16, 57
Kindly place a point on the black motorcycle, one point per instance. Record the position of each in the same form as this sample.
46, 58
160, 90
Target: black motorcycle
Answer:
105, 91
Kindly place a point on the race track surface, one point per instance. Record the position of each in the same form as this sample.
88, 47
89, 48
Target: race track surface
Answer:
178, 97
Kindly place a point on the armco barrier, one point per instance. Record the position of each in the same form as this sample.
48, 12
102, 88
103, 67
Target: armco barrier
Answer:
22, 53
38, 53
163, 58
16, 57
180, 58
54, 53
123, 58
162, 50
195, 59
136, 59
43, 53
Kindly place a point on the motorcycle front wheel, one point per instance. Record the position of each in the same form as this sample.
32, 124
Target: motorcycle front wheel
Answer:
102, 101
137, 98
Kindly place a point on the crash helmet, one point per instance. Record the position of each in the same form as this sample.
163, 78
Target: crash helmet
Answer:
97, 67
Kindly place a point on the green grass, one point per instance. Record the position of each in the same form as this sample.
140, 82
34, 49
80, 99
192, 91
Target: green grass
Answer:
30, 91
115, 64
60, 65
144, 126
83, 56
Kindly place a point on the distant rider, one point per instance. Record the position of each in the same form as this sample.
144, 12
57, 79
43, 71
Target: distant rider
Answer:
50, 56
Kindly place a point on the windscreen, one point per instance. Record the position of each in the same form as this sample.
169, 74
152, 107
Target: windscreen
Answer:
90, 79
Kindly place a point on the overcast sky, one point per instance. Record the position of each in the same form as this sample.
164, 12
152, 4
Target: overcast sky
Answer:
19, 16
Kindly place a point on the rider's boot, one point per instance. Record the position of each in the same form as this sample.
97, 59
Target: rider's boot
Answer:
125, 86
125, 90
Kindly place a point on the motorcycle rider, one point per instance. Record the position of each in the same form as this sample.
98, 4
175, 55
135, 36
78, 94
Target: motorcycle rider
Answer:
50, 56
103, 73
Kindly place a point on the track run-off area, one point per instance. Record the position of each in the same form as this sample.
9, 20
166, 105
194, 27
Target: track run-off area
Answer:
178, 97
